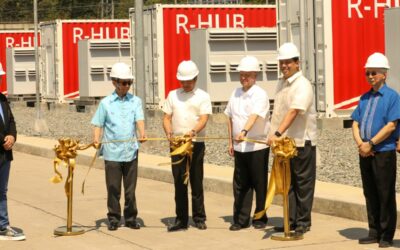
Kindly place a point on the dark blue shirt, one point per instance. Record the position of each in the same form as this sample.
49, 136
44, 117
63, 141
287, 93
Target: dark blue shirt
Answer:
374, 111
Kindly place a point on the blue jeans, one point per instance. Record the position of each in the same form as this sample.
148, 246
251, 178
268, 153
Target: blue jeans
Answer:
4, 174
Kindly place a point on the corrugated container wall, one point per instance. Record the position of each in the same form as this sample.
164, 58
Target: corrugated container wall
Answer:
392, 44
168, 38
10, 39
59, 54
335, 39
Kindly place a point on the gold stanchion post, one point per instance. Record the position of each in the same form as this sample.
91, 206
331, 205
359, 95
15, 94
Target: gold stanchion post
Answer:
66, 153
69, 230
284, 150
287, 235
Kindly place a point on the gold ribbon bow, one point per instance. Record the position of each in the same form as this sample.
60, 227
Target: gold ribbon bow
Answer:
279, 183
183, 146
66, 153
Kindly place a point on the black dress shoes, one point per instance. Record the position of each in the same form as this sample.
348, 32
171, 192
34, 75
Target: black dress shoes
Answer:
113, 226
235, 227
368, 240
282, 229
177, 226
385, 243
302, 229
258, 224
132, 224
201, 225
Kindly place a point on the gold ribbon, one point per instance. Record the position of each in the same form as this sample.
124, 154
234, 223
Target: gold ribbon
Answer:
66, 153
183, 146
279, 183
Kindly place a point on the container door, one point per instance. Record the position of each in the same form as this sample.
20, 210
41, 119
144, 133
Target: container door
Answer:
48, 61
301, 22
392, 38
150, 55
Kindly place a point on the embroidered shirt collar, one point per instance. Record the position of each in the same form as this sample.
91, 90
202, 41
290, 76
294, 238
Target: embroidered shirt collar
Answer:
116, 97
381, 91
291, 79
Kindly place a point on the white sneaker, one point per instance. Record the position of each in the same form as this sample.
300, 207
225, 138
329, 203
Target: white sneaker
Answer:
11, 234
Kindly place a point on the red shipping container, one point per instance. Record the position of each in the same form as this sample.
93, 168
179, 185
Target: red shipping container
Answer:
60, 52
168, 26
338, 37
9, 39
357, 32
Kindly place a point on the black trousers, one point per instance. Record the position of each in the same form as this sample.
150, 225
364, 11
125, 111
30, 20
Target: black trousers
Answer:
196, 184
301, 193
378, 174
251, 173
115, 173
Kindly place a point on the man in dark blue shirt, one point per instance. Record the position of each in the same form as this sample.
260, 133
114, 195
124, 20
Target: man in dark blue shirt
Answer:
374, 131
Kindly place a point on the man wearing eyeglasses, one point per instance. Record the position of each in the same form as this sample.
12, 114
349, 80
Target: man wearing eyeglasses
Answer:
186, 112
294, 115
374, 130
248, 113
115, 122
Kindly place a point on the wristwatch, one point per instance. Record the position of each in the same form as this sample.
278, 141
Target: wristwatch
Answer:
371, 143
245, 131
278, 134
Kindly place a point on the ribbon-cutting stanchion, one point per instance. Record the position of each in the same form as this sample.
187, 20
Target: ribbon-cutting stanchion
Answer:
279, 183
66, 153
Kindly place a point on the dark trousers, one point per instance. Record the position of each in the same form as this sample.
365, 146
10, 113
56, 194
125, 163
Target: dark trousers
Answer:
4, 176
196, 184
115, 173
301, 193
378, 174
251, 173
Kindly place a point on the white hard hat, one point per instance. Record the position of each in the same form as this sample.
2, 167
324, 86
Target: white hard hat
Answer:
121, 71
249, 64
187, 70
288, 51
1, 70
377, 60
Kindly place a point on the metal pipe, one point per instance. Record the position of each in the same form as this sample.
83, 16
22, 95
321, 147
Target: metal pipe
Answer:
35, 20
302, 37
69, 198
139, 52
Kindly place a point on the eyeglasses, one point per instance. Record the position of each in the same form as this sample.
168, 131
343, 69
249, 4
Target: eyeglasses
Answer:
246, 75
372, 73
125, 83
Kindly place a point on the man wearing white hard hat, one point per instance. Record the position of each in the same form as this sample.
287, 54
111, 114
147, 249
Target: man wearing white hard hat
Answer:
186, 112
116, 120
248, 113
294, 115
375, 131
8, 135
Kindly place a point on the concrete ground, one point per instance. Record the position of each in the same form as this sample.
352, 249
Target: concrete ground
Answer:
37, 207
